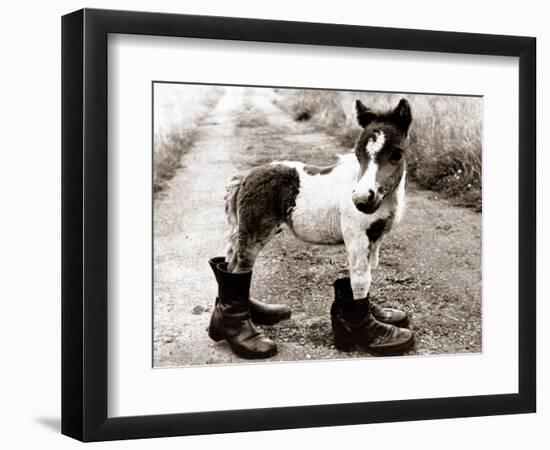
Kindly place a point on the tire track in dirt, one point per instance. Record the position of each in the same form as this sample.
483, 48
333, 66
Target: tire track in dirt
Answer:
430, 264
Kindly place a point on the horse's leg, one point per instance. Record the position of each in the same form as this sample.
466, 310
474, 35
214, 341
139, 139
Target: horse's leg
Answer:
229, 249
363, 257
257, 212
244, 257
374, 253
358, 248
354, 321
248, 245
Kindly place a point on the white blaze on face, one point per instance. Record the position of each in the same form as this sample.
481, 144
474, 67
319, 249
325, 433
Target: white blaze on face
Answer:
368, 180
376, 144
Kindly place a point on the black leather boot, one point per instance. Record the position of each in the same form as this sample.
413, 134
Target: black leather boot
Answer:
355, 327
231, 318
391, 316
261, 313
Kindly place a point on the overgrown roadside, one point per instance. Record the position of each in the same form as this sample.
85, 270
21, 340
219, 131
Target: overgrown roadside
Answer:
178, 111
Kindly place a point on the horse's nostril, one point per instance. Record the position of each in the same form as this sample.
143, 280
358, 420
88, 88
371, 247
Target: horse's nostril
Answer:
361, 206
370, 196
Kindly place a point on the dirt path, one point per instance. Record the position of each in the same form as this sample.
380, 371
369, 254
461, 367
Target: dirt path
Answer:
430, 264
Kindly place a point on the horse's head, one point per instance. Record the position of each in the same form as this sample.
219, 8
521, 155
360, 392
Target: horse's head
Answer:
379, 151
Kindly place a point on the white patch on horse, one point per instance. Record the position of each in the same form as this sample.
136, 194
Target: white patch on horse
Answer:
376, 144
316, 215
368, 180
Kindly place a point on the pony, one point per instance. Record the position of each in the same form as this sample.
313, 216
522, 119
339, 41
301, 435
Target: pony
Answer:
355, 202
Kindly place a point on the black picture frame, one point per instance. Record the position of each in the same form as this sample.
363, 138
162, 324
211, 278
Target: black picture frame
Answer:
84, 224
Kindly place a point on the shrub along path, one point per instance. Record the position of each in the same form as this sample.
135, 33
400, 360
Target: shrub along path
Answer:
430, 265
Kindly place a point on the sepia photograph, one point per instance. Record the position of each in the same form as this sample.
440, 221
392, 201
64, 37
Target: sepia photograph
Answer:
307, 224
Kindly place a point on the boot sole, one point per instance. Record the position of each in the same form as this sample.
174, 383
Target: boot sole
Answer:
240, 352
248, 355
396, 350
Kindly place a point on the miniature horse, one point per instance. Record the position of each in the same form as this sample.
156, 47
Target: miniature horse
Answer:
355, 202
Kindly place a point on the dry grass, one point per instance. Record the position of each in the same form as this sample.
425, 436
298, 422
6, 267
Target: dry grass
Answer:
178, 109
445, 138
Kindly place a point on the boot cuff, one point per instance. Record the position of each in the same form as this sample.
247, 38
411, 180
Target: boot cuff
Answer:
215, 261
214, 264
342, 289
233, 284
344, 292
344, 301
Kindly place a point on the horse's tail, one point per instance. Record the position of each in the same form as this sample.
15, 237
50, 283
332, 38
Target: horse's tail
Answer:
232, 192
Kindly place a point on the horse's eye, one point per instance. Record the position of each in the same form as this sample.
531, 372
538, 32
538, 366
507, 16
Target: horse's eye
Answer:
396, 155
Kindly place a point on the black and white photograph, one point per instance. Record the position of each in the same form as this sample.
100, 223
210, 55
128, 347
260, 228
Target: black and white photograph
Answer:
308, 224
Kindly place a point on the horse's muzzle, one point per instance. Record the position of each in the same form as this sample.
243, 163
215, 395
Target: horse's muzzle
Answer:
367, 207
367, 204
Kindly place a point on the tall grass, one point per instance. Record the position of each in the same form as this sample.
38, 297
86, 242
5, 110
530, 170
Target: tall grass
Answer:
445, 144
177, 111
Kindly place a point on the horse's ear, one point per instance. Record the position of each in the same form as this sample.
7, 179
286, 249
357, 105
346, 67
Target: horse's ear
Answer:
402, 116
364, 114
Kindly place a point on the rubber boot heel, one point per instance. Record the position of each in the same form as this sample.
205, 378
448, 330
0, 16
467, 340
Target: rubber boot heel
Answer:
343, 345
214, 334
215, 331
216, 328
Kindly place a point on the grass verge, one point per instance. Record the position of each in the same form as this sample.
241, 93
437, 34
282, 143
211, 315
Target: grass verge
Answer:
178, 109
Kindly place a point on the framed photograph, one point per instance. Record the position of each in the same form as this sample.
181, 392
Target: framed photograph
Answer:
273, 224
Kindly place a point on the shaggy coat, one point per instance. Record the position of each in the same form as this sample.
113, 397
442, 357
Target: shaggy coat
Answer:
355, 202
